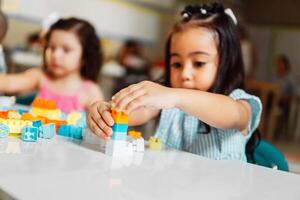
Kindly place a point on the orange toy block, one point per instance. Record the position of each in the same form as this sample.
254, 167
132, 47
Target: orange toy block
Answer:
44, 103
135, 134
3, 114
119, 117
28, 116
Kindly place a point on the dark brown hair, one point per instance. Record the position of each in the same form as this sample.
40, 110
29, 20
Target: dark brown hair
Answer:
90, 43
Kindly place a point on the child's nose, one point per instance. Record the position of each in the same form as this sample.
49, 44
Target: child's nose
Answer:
187, 72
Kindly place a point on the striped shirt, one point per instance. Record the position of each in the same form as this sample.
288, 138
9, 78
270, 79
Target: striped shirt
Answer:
181, 131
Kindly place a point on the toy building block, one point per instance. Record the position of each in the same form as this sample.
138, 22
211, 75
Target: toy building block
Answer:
28, 116
135, 134
64, 130
16, 125
29, 134
47, 131
120, 128
138, 144
76, 132
118, 148
12, 114
119, 117
44, 103
37, 123
155, 143
119, 136
73, 117
4, 130
57, 123
4, 114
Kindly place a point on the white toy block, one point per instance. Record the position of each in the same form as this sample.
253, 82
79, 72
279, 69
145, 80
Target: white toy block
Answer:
118, 148
138, 145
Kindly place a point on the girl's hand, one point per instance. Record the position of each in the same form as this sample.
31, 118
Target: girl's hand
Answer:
99, 119
144, 94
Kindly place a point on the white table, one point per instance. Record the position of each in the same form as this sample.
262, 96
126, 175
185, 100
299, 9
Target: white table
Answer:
67, 169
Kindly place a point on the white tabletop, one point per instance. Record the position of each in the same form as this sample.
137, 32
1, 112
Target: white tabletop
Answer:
68, 169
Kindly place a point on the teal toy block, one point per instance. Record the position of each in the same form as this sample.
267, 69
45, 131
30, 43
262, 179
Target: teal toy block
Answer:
47, 131
4, 131
64, 130
21, 111
29, 134
37, 123
76, 132
120, 128
119, 136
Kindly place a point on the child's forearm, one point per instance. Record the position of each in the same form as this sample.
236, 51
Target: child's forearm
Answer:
217, 110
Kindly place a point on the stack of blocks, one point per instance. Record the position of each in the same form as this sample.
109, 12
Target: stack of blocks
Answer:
118, 144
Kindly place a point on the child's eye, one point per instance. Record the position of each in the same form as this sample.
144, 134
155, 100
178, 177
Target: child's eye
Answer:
199, 64
176, 65
66, 49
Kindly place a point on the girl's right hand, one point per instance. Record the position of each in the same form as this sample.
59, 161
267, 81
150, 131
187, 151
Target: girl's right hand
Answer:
99, 119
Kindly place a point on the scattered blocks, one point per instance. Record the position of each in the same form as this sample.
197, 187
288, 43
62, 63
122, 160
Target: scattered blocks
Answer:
4, 131
29, 134
155, 143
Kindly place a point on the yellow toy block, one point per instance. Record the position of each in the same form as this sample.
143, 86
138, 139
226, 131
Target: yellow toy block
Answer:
15, 125
119, 117
51, 114
73, 117
155, 143
135, 134
13, 115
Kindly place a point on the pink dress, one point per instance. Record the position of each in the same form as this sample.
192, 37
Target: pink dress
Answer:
65, 103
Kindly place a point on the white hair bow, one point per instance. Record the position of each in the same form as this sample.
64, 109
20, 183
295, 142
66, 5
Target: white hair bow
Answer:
229, 12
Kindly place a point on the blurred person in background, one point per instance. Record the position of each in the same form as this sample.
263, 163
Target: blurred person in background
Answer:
136, 65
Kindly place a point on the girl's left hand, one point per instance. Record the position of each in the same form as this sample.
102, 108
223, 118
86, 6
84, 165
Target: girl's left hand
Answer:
144, 94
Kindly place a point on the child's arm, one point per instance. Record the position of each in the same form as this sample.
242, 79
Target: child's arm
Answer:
216, 110
23, 82
99, 118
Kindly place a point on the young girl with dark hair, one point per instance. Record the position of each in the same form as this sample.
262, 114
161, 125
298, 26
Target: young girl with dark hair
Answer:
203, 107
72, 60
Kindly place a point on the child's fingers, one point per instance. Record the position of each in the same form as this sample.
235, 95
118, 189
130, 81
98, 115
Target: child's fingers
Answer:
103, 126
136, 103
95, 128
122, 104
124, 92
105, 115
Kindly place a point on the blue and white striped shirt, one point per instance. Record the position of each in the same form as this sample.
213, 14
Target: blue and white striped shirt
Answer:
181, 131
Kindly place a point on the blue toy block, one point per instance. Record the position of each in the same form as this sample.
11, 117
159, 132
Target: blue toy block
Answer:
21, 111
120, 128
64, 130
76, 132
4, 130
47, 131
37, 123
29, 134
119, 136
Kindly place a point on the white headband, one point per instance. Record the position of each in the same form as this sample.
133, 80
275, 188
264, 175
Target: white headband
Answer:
229, 12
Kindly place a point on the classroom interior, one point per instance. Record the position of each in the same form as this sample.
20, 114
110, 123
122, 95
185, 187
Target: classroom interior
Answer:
269, 29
